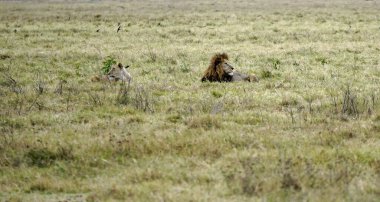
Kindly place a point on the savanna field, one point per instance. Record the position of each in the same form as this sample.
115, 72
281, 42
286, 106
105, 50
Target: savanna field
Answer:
308, 130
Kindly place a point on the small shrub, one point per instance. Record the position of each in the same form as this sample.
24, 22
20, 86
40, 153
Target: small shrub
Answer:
107, 64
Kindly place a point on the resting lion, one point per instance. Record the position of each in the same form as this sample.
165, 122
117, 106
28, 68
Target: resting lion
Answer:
220, 70
116, 73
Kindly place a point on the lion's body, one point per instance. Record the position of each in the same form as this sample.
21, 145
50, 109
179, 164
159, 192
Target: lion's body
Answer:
116, 73
220, 70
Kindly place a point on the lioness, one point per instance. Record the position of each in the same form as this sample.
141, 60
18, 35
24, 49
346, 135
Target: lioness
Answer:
116, 73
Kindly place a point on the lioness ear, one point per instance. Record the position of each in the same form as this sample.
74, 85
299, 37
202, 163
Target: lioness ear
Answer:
120, 65
126, 66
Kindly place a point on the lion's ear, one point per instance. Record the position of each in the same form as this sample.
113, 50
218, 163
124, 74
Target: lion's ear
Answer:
120, 65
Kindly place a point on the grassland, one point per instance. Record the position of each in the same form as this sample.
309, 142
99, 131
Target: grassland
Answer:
309, 130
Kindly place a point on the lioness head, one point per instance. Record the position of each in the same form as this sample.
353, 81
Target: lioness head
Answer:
119, 72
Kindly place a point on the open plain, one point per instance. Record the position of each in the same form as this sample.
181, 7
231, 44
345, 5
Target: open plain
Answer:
309, 130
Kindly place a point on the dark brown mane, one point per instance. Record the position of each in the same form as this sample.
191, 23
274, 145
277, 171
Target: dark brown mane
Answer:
214, 72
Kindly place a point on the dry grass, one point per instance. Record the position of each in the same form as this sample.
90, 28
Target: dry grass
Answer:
308, 130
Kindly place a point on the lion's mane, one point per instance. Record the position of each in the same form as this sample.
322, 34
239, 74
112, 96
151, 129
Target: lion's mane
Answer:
214, 72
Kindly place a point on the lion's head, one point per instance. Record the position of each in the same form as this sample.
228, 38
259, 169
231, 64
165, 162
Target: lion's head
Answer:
119, 72
219, 70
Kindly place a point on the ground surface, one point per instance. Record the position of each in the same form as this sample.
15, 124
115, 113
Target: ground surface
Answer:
308, 130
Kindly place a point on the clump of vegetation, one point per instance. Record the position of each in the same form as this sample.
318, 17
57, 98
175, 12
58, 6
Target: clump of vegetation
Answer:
107, 64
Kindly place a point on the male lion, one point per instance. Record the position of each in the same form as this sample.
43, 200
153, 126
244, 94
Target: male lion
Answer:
220, 70
116, 73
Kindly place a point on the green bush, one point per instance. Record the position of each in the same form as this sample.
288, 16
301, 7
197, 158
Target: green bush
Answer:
107, 64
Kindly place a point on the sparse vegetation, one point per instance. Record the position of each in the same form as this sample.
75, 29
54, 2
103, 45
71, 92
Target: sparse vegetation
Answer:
309, 130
